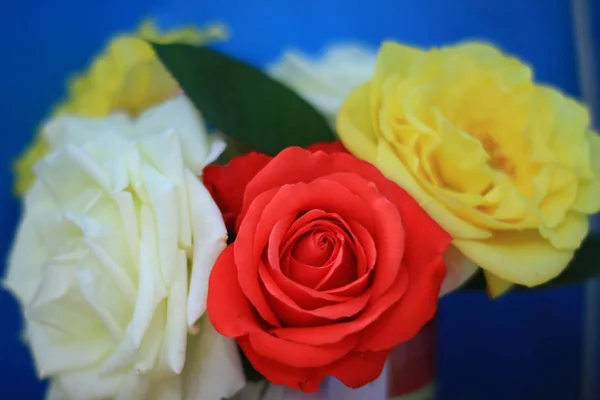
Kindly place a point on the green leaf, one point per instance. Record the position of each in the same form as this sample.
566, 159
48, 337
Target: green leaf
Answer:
476, 282
252, 375
242, 101
584, 265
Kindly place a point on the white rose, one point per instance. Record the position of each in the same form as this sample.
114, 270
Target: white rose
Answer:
326, 80
117, 231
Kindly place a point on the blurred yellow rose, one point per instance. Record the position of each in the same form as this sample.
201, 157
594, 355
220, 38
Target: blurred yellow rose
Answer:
506, 166
126, 76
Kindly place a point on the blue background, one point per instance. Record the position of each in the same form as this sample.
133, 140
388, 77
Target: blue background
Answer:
523, 346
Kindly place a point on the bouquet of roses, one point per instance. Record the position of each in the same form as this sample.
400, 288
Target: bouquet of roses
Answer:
193, 223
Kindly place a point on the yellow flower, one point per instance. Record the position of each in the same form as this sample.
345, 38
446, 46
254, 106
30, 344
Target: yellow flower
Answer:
506, 166
126, 76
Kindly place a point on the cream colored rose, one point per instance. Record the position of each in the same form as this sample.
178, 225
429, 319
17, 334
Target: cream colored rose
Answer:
117, 234
325, 81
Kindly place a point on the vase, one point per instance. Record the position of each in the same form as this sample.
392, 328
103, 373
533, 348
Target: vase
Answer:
411, 367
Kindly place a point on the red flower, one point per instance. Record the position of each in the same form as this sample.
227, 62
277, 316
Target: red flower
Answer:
332, 265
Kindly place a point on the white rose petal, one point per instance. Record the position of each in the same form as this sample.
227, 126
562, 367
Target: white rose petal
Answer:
181, 116
207, 223
215, 368
101, 262
326, 80
459, 269
56, 391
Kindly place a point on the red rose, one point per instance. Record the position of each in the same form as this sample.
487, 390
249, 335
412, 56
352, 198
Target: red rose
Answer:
332, 265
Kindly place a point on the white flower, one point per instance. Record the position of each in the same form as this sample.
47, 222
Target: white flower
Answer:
117, 231
325, 81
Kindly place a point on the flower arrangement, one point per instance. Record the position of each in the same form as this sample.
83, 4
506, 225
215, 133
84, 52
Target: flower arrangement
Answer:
193, 224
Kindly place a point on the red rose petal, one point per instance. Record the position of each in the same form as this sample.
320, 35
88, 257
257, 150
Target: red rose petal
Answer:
247, 257
307, 275
389, 244
364, 260
315, 248
316, 165
301, 197
354, 369
302, 221
342, 270
301, 267
290, 314
364, 247
388, 230
283, 170
426, 239
358, 369
304, 297
314, 220
318, 335
227, 183
305, 379
278, 233
282, 246
352, 289
228, 309
299, 355
408, 316
360, 240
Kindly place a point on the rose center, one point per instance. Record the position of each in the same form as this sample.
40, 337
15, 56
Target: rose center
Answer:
314, 248
498, 160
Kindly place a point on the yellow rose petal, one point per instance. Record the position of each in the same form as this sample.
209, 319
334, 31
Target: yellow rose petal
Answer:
391, 167
464, 160
589, 190
507, 166
569, 234
146, 85
126, 76
23, 166
359, 127
393, 59
511, 70
524, 258
560, 197
496, 286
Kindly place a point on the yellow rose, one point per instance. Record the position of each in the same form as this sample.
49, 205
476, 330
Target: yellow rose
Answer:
506, 166
126, 76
